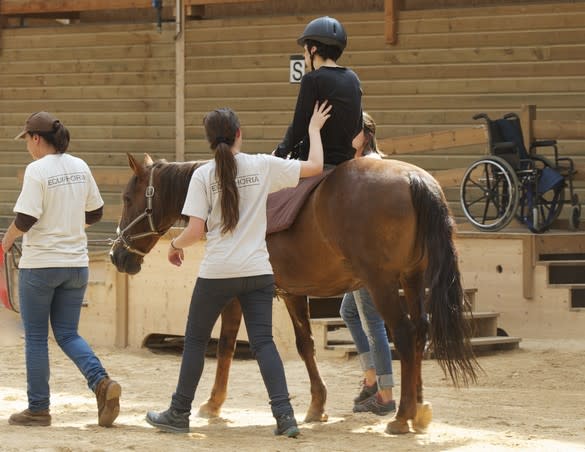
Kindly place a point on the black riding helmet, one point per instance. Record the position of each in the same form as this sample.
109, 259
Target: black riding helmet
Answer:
326, 30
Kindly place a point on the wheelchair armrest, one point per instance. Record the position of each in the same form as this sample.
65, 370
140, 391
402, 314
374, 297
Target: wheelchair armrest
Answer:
541, 143
511, 116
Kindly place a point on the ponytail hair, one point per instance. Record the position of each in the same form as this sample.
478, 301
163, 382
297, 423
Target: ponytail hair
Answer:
369, 127
221, 127
58, 137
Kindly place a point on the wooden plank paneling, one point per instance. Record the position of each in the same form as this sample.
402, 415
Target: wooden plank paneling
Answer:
434, 141
114, 85
9, 7
410, 72
78, 37
107, 79
22, 7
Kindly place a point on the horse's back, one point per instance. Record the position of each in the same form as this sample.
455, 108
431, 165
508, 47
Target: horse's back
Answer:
365, 210
364, 195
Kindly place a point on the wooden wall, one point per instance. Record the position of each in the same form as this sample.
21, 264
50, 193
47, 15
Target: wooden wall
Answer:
113, 85
448, 65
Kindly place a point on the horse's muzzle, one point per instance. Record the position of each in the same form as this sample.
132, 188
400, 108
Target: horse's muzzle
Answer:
124, 261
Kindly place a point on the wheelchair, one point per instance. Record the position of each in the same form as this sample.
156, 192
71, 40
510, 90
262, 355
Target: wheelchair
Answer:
515, 183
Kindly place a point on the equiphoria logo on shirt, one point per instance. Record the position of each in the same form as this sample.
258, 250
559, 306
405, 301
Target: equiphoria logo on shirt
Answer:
241, 181
66, 179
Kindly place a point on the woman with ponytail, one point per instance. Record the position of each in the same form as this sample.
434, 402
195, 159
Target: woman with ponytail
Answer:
59, 198
228, 195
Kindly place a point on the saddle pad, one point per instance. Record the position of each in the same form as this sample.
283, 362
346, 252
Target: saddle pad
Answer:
284, 205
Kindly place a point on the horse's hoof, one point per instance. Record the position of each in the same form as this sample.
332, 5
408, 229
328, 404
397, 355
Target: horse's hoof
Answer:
424, 416
397, 427
207, 411
316, 417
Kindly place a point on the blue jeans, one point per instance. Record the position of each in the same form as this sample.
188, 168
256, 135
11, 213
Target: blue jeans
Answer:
55, 295
369, 334
209, 298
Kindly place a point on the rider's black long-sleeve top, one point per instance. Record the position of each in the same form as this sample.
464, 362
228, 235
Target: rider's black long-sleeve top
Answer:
340, 86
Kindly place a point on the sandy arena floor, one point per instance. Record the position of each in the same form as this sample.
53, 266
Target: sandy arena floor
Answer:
531, 399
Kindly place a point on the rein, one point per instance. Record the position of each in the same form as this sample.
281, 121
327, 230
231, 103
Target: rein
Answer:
124, 241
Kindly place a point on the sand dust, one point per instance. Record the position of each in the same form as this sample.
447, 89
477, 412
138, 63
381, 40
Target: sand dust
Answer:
531, 399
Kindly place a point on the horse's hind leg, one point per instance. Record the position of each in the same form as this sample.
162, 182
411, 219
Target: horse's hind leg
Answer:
298, 308
387, 302
231, 317
414, 293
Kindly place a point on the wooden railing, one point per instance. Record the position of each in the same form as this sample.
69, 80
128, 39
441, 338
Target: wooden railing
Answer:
533, 129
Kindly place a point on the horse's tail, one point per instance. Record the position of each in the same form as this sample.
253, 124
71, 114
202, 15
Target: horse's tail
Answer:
449, 331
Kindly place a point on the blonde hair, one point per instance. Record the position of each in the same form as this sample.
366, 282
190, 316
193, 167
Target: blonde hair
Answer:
369, 128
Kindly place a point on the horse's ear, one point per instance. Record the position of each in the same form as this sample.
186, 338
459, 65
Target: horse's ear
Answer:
147, 160
136, 167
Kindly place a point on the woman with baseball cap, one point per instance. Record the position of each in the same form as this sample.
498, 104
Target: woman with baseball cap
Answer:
59, 198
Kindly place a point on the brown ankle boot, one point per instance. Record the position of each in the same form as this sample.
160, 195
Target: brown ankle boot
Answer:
107, 394
31, 418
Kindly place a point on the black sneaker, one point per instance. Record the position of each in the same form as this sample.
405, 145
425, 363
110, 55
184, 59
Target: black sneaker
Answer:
366, 392
286, 425
171, 420
376, 406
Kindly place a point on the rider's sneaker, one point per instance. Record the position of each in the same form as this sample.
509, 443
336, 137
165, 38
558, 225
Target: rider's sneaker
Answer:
366, 392
286, 425
375, 405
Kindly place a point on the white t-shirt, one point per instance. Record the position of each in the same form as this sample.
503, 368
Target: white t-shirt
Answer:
241, 252
57, 190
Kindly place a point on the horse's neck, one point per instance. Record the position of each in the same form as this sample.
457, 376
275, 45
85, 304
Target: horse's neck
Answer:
178, 179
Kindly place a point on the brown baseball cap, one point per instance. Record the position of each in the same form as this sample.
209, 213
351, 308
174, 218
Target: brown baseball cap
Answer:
41, 121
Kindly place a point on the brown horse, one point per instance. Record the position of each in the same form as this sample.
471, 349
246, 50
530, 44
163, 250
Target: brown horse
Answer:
384, 225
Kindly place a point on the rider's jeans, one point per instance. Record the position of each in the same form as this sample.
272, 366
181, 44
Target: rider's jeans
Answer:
369, 334
54, 295
209, 298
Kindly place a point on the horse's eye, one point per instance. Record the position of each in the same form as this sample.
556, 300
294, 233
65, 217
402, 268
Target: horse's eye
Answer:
127, 200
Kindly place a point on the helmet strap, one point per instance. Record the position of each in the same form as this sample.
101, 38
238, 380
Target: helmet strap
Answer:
312, 58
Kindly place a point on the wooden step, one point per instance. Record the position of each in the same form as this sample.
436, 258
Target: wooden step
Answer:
332, 336
479, 344
495, 340
484, 323
328, 307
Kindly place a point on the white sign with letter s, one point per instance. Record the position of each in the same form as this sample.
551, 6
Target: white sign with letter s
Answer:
297, 68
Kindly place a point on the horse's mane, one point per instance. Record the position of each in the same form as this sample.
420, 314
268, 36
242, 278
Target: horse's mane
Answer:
175, 178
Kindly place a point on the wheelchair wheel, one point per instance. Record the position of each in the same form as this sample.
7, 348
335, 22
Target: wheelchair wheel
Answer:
546, 206
575, 214
489, 193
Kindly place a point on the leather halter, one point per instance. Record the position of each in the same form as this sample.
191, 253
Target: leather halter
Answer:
124, 241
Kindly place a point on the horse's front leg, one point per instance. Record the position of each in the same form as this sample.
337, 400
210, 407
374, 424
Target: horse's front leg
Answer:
387, 302
231, 317
298, 308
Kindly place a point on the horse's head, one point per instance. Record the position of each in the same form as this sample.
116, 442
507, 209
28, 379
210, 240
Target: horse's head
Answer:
142, 222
